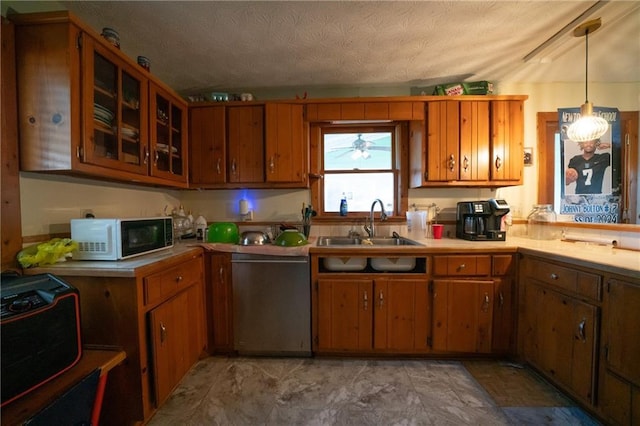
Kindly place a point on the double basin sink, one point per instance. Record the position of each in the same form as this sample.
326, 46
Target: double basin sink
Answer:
364, 241
359, 263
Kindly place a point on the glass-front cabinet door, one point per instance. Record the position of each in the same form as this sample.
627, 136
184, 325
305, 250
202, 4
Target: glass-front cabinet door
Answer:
168, 135
115, 111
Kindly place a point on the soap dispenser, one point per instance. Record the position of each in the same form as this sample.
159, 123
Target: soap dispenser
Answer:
344, 209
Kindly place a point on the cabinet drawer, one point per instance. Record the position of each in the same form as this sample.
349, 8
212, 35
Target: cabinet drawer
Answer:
563, 277
503, 264
461, 265
162, 284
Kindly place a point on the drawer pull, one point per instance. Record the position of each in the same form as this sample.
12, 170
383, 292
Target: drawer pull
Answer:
381, 299
461, 267
179, 278
554, 276
365, 300
581, 329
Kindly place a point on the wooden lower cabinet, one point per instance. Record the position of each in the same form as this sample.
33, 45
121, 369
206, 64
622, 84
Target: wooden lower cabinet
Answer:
462, 315
156, 315
176, 332
219, 302
559, 325
364, 315
619, 388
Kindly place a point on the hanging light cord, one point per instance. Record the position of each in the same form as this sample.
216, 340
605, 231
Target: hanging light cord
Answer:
586, 66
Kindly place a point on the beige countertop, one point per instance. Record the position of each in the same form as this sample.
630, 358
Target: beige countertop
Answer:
603, 258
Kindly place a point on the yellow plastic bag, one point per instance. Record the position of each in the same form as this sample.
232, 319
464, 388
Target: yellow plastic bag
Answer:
53, 251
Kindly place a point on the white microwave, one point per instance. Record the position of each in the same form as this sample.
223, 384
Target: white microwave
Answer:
115, 239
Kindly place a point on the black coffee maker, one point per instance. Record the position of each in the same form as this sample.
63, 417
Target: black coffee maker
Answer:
481, 220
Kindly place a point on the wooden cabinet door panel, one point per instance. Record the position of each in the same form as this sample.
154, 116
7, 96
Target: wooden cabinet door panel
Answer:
105, 79
245, 140
401, 315
443, 134
474, 141
503, 315
507, 135
463, 315
621, 320
615, 399
345, 318
167, 327
286, 154
208, 153
219, 302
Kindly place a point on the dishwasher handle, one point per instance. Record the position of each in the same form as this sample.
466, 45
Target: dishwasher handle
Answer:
280, 261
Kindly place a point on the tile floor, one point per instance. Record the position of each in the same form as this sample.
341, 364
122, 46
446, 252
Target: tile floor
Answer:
325, 391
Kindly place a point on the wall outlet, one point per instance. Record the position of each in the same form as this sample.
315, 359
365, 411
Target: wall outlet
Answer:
86, 213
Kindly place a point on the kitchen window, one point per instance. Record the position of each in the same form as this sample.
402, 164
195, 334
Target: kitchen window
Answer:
359, 162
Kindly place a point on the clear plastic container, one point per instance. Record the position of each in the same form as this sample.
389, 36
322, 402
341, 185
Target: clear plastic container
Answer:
540, 222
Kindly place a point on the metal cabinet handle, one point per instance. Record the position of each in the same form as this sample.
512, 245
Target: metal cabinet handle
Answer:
163, 332
501, 299
452, 162
380, 299
233, 166
465, 163
498, 163
221, 272
461, 266
365, 299
156, 158
581, 329
272, 165
146, 155
554, 276
179, 278
485, 303
218, 170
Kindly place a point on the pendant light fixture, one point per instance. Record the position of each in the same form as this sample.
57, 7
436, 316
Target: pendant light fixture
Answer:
588, 127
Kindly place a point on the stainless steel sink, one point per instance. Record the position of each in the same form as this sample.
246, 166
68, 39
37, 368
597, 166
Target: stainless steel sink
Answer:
326, 241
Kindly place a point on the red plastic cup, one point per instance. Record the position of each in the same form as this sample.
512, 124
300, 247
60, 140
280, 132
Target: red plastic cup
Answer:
437, 230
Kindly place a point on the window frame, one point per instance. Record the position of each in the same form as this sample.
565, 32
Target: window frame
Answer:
399, 131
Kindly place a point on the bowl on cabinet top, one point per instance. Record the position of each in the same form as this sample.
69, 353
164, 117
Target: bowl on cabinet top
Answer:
223, 232
291, 238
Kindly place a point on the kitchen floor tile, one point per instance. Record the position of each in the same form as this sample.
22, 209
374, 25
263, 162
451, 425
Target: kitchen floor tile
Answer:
327, 391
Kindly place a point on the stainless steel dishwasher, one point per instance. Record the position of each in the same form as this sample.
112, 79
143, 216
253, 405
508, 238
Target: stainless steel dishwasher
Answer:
271, 305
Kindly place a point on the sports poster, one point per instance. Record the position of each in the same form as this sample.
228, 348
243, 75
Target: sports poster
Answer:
591, 171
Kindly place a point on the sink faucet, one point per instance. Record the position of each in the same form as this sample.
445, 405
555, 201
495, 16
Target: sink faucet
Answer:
371, 229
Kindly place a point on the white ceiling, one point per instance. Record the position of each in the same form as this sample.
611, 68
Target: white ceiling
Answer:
241, 45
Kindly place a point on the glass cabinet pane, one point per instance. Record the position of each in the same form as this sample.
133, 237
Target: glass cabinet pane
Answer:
105, 108
116, 116
168, 136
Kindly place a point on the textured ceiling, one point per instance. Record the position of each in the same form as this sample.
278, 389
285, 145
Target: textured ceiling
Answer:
238, 45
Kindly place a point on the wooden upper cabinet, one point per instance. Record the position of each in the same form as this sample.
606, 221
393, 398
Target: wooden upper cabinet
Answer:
168, 135
507, 137
285, 143
115, 111
208, 145
245, 142
467, 143
84, 106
